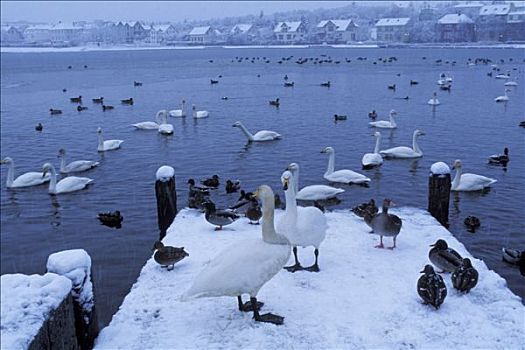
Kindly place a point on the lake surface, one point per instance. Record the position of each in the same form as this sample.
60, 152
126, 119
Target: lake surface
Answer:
467, 125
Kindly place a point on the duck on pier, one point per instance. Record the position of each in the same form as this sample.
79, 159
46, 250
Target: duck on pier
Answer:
168, 256
254, 211
384, 224
219, 217
443, 257
464, 277
367, 208
431, 287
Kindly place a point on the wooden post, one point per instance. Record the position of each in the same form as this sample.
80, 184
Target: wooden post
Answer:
75, 264
439, 182
166, 193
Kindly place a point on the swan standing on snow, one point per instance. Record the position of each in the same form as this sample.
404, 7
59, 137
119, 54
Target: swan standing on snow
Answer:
503, 98
245, 266
312, 192
303, 226
31, 178
150, 125
76, 166
164, 127
199, 114
344, 175
260, 136
386, 124
69, 184
107, 145
469, 182
433, 101
372, 160
403, 151
178, 113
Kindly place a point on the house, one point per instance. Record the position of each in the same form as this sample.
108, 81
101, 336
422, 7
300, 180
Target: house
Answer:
161, 33
243, 34
66, 33
202, 35
427, 14
38, 33
516, 26
491, 24
469, 8
455, 28
336, 31
393, 29
289, 32
137, 30
11, 35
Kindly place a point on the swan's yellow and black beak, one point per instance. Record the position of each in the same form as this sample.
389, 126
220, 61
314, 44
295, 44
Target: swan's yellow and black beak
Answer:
256, 194
285, 184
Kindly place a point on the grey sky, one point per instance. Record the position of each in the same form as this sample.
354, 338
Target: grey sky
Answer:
175, 11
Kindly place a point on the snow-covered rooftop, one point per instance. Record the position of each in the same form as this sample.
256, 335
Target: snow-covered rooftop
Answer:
454, 18
39, 27
383, 22
161, 27
341, 24
287, 27
65, 26
241, 28
500, 9
200, 30
363, 297
470, 4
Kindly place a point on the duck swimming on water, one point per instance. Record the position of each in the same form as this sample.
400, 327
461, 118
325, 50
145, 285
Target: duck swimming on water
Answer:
211, 182
500, 159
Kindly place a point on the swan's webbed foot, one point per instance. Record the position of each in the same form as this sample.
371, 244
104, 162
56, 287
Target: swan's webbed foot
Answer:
269, 318
248, 306
313, 268
294, 268
391, 248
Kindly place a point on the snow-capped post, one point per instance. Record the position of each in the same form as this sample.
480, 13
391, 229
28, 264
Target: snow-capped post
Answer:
439, 182
166, 193
75, 264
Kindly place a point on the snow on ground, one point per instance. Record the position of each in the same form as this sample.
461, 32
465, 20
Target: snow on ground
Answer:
363, 297
93, 48
26, 303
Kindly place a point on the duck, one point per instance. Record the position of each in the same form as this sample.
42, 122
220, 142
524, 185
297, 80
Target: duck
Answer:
243, 199
168, 256
108, 145
254, 211
99, 100
392, 87
260, 136
326, 84
66, 185
302, 226
232, 186
504, 98
179, 113
246, 266
137, 83
431, 287
76, 99
522, 124
81, 108
443, 257
199, 114
472, 223
289, 84
373, 160
211, 182
275, 102
55, 111
219, 217
404, 152
150, 125
28, 179
469, 182
128, 101
164, 127
511, 256
111, 219
367, 208
465, 276
391, 124
433, 101
372, 115
339, 117
312, 192
194, 189
212, 82
76, 166
414, 82
107, 107
197, 195
39, 127
384, 224
278, 203
445, 87
344, 175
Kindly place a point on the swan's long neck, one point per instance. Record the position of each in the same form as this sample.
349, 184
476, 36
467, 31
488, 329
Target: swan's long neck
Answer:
268, 228
100, 141
62, 163
331, 164
457, 178
392, 121
53, 180
10, 174
295, 174
182, 105
415, 146
378, 144
246, 132
291, 203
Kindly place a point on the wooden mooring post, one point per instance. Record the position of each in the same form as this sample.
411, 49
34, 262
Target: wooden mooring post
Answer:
439, 183
166, 193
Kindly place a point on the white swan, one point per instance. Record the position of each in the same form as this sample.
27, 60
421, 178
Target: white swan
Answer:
469, 182
164, 127
199, 114
107, 145
76, 166
150, 125
69, 184
31, 178
178, 113
386, 124
344, 175
245, 266
433, 101
511, 83
502, 76
503, 98
371, 160
403, 151
312, 192
303, 226
260, 136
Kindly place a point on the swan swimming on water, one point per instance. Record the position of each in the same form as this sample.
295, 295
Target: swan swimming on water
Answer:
312, 192
75, 166
107, 145
433, 101
403, 151
178, 113
150, 125
69, 184
371, 160
344, 175
199, 114
503, 98
28, 179
164, 127
260, 136
469, 182
391, 124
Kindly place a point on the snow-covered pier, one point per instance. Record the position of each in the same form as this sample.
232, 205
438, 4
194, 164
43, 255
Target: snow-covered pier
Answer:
363, 297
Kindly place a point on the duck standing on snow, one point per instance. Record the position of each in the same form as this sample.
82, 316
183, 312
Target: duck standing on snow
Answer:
500, 159
219, 217
372, 160
443, 257
404, 152
431, 287
464, 277
384, 224
344, 175
469, 182
245, 266
167, 256
303, 226
368, 208
254, 211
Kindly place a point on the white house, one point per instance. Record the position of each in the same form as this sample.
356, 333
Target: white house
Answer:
243, 33
11, 35
202, 35
336, 30
393, 29
160, 33
289, 32
38, 33
66, 33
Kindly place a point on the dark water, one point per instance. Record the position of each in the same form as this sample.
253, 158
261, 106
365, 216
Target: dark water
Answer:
468, 125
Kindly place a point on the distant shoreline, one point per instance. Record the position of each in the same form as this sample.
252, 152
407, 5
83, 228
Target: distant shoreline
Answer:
91, 48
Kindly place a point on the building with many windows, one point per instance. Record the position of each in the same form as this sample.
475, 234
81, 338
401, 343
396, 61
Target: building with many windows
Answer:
289, 32
393, 29
336, 31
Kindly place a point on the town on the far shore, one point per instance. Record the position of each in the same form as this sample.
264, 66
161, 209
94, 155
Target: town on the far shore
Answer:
403, 23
